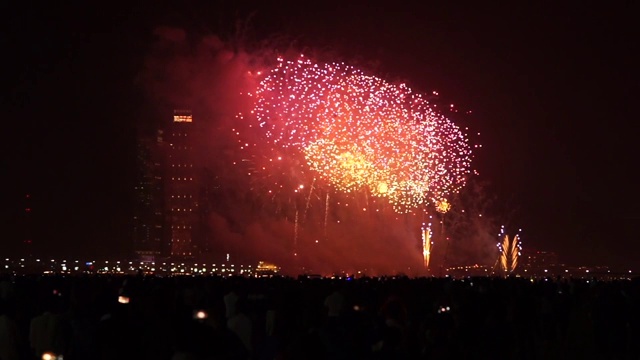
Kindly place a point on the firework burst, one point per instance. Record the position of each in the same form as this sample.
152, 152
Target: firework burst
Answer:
357, 132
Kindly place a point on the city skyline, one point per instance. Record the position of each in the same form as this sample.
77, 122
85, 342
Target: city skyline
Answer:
552, 93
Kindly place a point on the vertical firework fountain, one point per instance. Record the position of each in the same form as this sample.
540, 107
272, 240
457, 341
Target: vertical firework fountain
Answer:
326, 215
426, 245
295, 235
510, 250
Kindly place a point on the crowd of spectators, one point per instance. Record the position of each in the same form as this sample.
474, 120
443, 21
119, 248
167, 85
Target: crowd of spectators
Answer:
202, 318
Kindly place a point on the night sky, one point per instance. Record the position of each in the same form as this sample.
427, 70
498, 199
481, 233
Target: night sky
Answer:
553, 89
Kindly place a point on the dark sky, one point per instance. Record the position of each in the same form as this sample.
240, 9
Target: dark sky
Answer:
553, 88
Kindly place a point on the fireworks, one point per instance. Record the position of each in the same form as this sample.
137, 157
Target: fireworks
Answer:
357, 132
443, 206
426, 245
509, 251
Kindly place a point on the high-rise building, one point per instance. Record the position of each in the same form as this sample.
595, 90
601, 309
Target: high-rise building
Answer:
172, 195
27, 223
148, 219
181, 186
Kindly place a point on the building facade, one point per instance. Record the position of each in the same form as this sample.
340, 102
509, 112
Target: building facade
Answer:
172, 193
182, 186
148, 220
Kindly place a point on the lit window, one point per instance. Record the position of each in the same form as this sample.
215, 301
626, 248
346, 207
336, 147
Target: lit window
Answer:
182, 118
